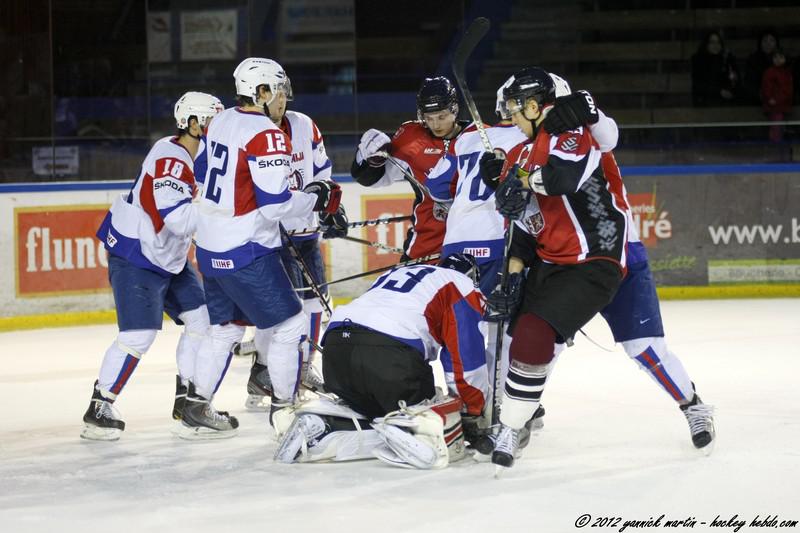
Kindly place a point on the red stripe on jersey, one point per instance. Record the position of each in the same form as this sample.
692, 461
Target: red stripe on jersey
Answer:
148, 202
316, 136
269, 142
244, 199
443, 326
614, 179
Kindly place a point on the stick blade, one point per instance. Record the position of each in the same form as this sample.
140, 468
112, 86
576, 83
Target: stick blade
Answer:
477, 29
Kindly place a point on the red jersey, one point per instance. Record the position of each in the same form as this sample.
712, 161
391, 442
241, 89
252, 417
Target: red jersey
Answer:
414, 144
581, 204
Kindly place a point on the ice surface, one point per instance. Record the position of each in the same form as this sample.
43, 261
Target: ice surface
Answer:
613, 444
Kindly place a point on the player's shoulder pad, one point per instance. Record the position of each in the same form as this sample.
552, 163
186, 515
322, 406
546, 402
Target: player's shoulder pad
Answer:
408, 130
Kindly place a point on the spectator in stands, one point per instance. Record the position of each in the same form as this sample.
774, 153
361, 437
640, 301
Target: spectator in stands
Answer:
776, 93
757, 62
714, 76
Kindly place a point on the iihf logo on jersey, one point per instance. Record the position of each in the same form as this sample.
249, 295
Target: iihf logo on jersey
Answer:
296, 180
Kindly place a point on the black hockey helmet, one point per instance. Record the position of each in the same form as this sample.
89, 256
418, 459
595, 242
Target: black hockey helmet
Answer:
531, 82
436, 94
464, 263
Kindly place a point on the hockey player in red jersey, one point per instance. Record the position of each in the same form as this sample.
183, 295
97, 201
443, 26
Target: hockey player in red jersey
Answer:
558, 188
416, 146
377, 350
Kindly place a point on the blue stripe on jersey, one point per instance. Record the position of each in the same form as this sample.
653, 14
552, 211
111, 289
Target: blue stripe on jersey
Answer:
417, 344
168, 210
222, 263
470, 339
439, 186
267, 198
128, 248
317, 169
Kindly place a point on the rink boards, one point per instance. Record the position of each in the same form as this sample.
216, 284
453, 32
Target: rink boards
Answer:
711, 231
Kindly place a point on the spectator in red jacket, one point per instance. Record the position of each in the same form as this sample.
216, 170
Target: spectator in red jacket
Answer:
777, 88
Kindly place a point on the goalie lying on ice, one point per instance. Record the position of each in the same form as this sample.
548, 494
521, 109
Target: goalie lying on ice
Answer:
377, 353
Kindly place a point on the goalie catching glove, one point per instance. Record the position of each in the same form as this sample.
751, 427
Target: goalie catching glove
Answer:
373, 148
334, 225
329, 195
570, 112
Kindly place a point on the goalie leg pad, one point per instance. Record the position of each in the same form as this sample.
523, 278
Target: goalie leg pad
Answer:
425, 436
322, 430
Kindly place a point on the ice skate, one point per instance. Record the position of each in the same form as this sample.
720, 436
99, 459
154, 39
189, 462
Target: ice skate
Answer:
311, 378
505, 448
305, 431
201, 421
259, 388
180, 398
101, 420
701, 424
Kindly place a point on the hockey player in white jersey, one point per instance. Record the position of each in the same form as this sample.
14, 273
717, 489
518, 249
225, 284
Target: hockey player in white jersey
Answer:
147, 234
246, 195
377, 354
309, 162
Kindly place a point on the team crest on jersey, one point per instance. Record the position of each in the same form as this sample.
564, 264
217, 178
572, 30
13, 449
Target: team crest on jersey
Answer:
296, 180
534, 223
432, 151
569, 145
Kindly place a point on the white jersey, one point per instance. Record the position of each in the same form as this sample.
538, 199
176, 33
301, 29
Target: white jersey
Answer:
428, 307
152, 225
246, 192
309, 163
472, 216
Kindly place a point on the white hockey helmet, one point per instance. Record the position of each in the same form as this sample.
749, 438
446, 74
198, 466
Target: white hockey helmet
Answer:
200, 105
500, 104
256, 71
562, 87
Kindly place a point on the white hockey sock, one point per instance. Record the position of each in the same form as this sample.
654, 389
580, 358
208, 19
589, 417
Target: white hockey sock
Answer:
663, 366
196, 329
283, 358
522, 393
121, 359
313, 311
214, 357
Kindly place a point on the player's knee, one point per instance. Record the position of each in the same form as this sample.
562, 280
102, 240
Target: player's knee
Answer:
648, 351
290, 330
136, 342
534, 341
312, 306
196, 321
228, 334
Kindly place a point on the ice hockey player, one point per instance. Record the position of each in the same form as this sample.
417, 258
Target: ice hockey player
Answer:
377, 353
309, 162
247, 194
633, 315
147, 234
416, 146
580, 238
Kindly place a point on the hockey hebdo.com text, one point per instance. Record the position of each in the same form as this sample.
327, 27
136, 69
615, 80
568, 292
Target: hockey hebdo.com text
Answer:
756, 233
732, 523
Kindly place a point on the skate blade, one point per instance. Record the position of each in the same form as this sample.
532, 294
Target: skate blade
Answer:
708, 449
257, 403
185, 432
91, 432
499, 471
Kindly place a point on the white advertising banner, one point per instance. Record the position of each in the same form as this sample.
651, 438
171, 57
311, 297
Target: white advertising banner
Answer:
208, 34
159, 36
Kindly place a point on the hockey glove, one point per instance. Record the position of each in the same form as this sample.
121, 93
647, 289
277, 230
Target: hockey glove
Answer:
491, 166
503, 305
373, 148
329, 195
333, 225
571, 111
510, 198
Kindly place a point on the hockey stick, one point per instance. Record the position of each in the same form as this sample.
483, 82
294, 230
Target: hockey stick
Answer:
305, 271
409, 176
468, 42
359, 224
371, 244
421, 260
